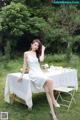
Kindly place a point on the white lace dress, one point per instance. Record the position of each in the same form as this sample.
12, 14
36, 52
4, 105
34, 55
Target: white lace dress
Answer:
35, 72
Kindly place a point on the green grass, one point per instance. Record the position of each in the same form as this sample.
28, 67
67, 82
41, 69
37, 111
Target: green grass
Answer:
18, 111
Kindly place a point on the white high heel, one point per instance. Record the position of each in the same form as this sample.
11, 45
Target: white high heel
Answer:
56, 104
52, 116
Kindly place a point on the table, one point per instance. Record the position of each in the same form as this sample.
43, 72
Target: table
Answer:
25, 88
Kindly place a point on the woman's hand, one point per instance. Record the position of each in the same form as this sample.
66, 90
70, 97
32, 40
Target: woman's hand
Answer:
43, 47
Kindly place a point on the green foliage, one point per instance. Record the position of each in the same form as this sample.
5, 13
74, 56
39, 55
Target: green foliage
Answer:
38, 25
15, 19
54, 58
6, 57
57, 25
36, 3
16, 1
0, 21
7, 51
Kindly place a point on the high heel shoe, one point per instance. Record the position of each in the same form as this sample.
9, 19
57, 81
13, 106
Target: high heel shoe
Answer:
52, 116
56, 104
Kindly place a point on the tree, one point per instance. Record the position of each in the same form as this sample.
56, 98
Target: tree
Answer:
14, 22
15, 19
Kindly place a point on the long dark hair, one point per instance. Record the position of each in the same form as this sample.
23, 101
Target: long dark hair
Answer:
38, 52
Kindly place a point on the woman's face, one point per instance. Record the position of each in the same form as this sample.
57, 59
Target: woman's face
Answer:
35, 46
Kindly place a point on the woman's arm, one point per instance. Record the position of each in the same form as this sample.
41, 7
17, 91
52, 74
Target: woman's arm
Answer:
24, 65
41, 58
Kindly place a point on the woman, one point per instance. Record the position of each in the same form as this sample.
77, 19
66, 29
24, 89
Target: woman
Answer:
32, 58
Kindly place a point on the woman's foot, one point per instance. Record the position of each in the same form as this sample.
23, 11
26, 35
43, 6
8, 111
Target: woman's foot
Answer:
53, 117
56, 104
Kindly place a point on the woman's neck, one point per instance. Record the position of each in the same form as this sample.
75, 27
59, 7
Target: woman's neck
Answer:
33, 51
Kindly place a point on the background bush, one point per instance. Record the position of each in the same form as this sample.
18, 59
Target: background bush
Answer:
58, 26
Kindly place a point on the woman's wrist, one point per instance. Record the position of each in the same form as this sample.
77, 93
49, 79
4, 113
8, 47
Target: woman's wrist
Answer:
42, 52
43, 48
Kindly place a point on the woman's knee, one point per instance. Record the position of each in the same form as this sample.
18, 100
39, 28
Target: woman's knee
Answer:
48, 85
49, 82
46, 88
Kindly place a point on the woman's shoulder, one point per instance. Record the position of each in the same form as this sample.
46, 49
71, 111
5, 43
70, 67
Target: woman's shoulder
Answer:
26, 53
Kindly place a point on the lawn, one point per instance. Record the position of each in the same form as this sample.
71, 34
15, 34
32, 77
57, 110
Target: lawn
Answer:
18, 111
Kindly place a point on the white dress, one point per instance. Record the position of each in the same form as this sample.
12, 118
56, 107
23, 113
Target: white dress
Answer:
35, 72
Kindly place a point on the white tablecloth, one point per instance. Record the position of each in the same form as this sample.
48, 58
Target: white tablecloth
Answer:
25, 88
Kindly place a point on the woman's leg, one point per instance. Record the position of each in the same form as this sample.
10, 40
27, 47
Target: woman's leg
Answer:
51, 87
49, 101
